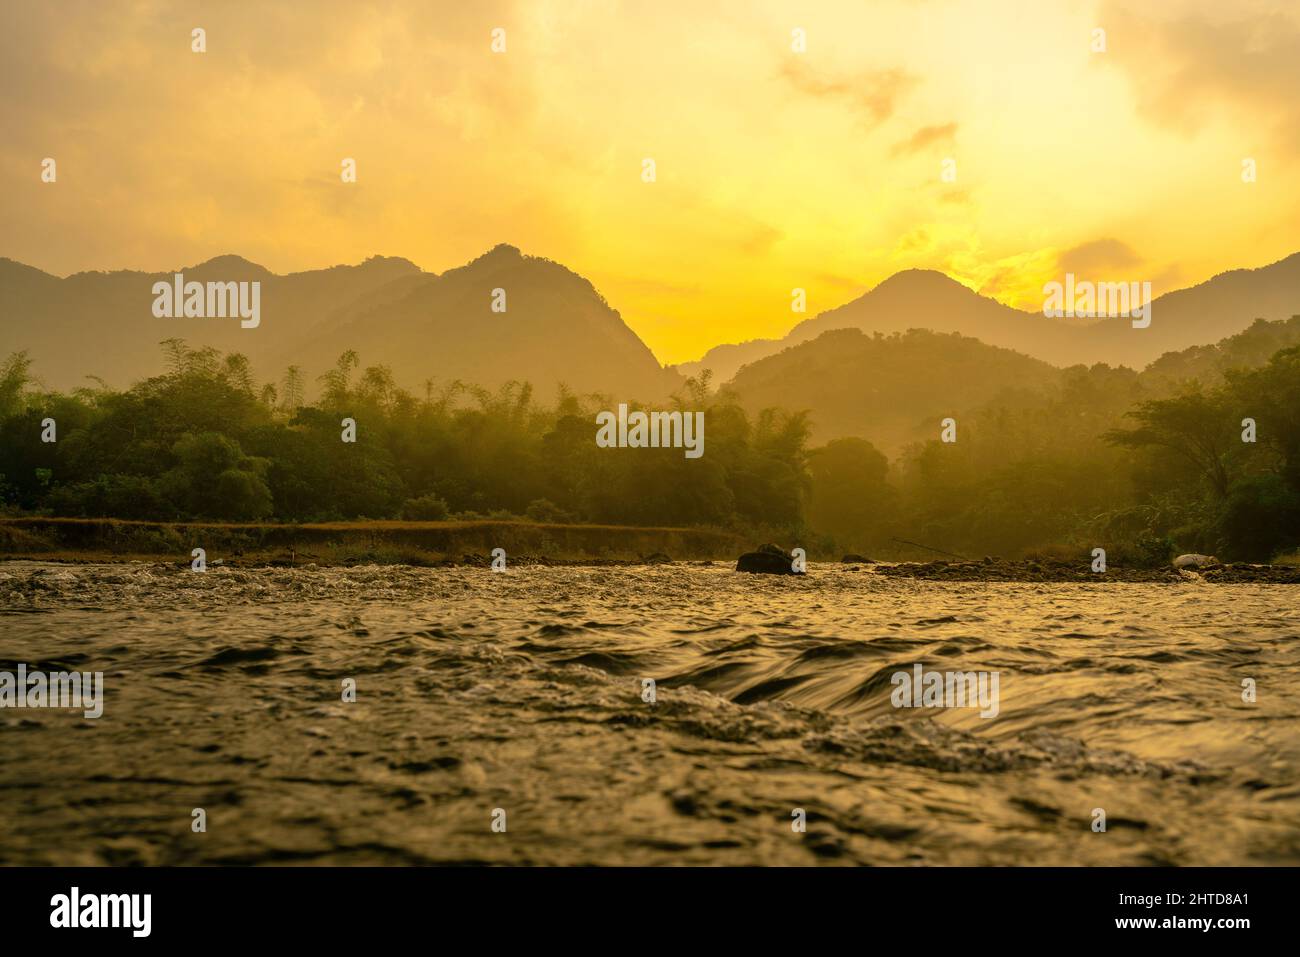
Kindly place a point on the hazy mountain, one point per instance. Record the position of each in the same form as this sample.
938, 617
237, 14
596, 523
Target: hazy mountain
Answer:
725, 360
1206, 364
97, 323
556, 327
894, 389
925, 299
888, 389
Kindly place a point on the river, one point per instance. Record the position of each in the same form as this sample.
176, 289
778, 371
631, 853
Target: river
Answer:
508, 718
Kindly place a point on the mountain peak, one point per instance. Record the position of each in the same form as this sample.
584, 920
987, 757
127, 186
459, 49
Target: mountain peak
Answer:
397, 261
228, 262
501, 252
920, 280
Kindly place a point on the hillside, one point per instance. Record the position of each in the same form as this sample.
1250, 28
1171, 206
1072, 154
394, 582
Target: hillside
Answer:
1206, 364
924, 299
891, 389
102, 324
556, 327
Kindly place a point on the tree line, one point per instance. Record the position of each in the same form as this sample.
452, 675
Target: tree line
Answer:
1101, 460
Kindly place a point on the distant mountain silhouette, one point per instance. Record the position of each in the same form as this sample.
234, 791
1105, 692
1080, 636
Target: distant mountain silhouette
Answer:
889, 389
98, 323
1206, 365
726, 360
895, 389
556, 327
924, 299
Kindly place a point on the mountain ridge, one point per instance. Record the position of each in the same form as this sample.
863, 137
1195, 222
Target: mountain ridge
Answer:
393, 312
557, 328
1201, 314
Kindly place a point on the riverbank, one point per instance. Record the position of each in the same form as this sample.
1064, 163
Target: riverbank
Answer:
449, 544
1037, 570
357, 543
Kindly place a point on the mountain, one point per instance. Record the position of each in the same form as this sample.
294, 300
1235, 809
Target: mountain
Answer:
556, 328
891, 389
102, 324
895, 389
924, 299
725, 361
1207, 364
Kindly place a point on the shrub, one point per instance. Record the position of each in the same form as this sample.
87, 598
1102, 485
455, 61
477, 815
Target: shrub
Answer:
426, 508
546, 511
1260, 517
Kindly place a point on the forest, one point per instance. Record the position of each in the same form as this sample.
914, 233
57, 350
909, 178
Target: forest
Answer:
1144, 464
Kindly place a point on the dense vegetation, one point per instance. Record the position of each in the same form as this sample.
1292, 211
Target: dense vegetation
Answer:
1141, 463
204, 441
1102, 461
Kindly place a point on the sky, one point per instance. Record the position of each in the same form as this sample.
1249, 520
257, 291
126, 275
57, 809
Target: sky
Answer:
774, 169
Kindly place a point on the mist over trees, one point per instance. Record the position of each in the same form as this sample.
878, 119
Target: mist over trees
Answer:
1145, 464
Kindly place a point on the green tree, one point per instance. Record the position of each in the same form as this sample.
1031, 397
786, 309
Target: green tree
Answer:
213, 478
849, 497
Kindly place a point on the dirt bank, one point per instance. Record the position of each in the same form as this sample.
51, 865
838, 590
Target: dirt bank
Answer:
350, 543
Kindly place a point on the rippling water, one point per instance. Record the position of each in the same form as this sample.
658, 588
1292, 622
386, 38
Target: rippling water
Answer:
523, 691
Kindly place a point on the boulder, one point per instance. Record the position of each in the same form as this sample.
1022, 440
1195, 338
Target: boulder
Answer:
767, 560
852, 559
1195, 561
658, 558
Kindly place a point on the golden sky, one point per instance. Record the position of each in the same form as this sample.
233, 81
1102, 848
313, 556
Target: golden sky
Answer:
775, 169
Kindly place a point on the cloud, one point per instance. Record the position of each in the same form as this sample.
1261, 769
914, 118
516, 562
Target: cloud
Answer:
1211, 59
1097, 256
874, 94
1015, 280
1168, 279
836, 281
925, 136
758, 239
